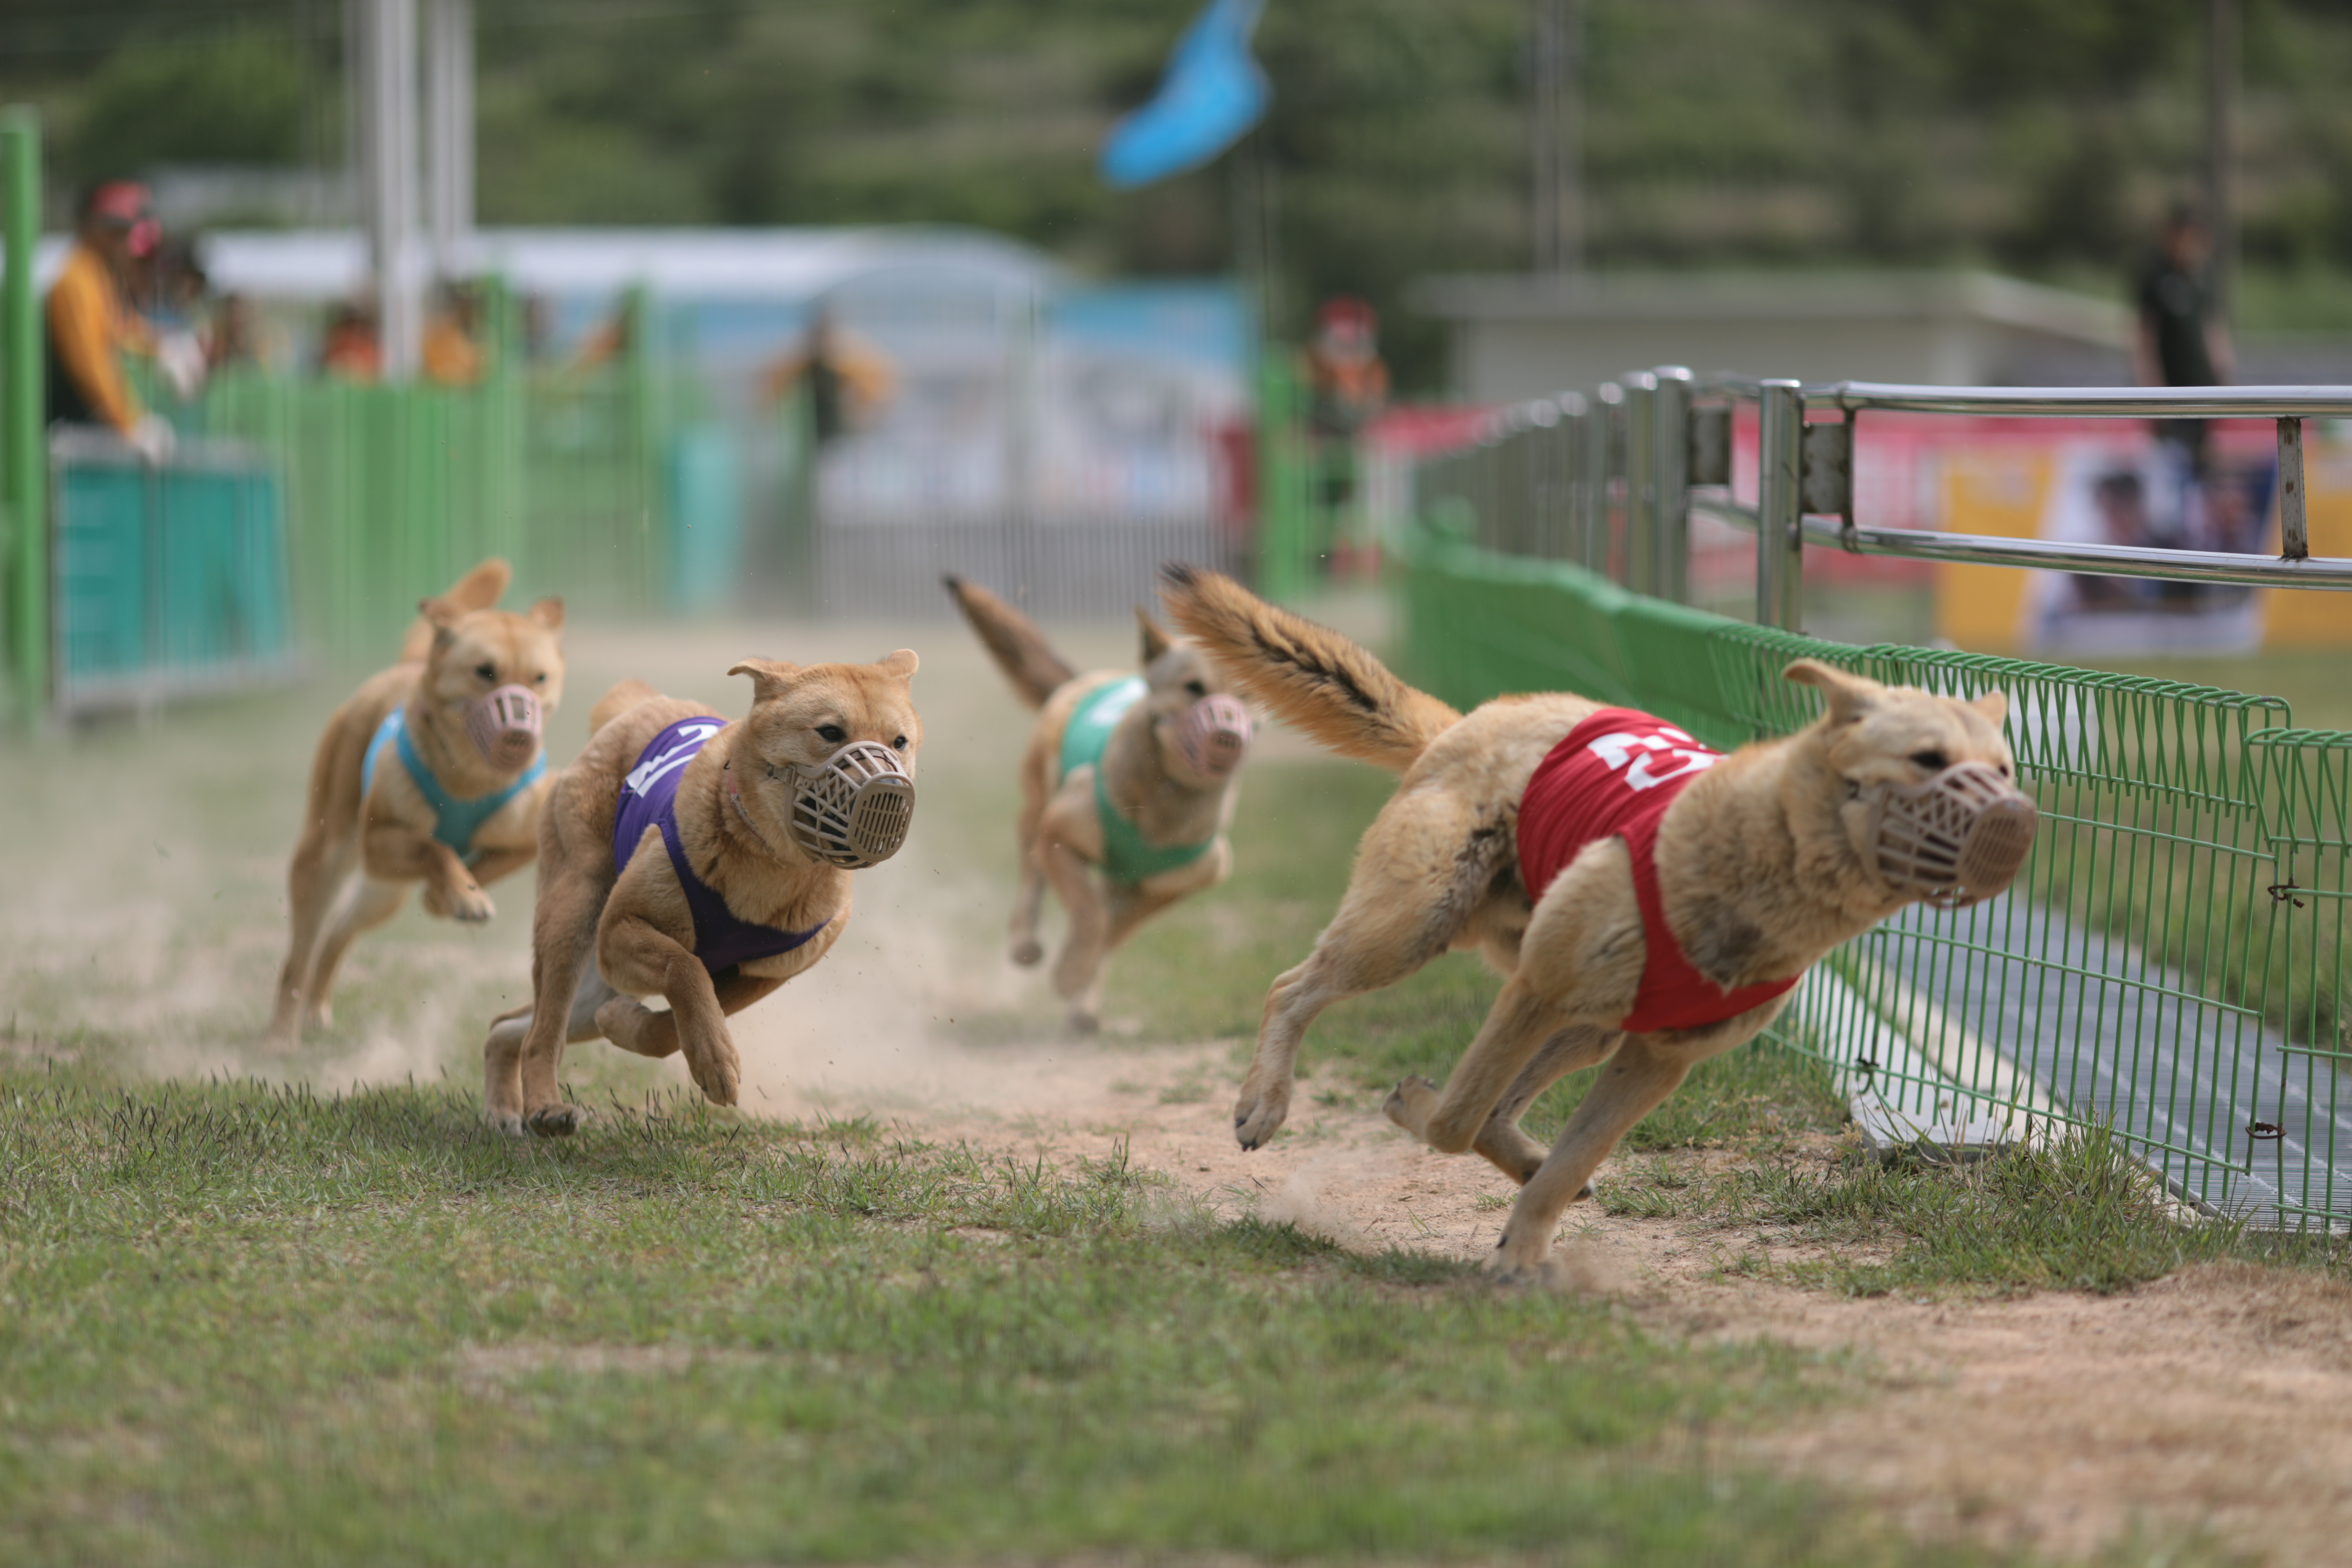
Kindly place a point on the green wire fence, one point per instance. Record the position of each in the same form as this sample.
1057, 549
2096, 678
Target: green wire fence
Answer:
2170, 962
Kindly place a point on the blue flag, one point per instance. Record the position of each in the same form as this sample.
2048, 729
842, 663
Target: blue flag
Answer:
1213, 91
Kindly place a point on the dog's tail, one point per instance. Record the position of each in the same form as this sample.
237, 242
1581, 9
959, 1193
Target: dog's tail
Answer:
481, 589
1311, 677
617, 701
1013, 640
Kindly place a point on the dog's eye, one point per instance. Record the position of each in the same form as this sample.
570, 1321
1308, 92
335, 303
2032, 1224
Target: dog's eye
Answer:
1934, 762
1197, 689
898, 744
832, 735
539, 680
486, 671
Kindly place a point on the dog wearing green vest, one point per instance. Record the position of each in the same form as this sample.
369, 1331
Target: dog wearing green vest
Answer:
433, 773
1127, 788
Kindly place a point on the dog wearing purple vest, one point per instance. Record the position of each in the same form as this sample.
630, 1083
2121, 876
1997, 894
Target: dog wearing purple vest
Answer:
702, 862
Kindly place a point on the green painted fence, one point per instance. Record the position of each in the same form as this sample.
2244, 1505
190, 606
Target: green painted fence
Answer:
2170, 962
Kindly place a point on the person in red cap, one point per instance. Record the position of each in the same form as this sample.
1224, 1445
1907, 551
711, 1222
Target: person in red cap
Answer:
1348, 386
90, 327
1349, 382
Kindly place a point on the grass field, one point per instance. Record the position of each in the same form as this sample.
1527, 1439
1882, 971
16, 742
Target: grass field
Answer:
305, 1309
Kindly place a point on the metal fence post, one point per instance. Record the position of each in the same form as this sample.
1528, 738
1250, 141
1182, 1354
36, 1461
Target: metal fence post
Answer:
1593, 487
2294, 524
1641, 481
24, 457
1670, 484
1780, 548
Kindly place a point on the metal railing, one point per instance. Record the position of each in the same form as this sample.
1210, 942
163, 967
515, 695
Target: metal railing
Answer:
1610, 480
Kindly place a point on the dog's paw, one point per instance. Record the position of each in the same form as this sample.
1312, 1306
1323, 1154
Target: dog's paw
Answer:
1260, 1112
1082, 1023
716, 1074
557, 1121
1410, 1103
509, 1122
1029, 953
471, 905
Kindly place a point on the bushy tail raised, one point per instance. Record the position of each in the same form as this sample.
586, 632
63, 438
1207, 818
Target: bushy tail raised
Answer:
1013, 640
617, 701
481, 589
1312, 677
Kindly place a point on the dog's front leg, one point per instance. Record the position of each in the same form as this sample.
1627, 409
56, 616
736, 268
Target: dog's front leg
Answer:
395, 852
487, 867
634, 1027
1499, 1142
639, 958
1517, 1027
1632, 1084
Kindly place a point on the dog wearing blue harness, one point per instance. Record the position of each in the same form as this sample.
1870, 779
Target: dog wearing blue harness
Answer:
1126, 790
432, 774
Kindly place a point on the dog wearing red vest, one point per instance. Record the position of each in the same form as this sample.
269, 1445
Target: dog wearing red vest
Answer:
1649, 902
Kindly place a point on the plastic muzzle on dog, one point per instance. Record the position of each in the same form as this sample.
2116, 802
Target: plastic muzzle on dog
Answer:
854, 809
1955, 840
505, 725
1214, 735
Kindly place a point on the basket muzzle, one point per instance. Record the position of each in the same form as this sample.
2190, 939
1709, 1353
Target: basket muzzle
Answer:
1955, 839
1214, 735
505, 725
854, 809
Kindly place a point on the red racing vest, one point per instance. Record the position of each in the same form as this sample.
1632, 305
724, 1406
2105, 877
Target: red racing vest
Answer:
1614, 776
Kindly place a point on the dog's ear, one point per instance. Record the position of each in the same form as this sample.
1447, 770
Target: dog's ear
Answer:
1849, 696
901, 663
442, 616
1994, 706
1155, 641
771, 677
549, 612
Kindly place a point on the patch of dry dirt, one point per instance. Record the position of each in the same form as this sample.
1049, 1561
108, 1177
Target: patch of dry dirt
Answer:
2220, 1399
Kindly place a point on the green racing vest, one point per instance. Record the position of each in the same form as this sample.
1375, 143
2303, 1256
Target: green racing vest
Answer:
1129, 858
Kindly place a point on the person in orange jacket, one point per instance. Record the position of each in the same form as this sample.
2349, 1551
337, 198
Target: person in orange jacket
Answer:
89, 327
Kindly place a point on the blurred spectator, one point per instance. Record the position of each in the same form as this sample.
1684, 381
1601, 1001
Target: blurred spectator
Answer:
2178, 342
1347, 384
236, 333
453, 355
351, 349
88, 325
849, 382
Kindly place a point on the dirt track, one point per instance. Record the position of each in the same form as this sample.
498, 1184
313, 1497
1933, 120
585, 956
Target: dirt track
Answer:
143, 902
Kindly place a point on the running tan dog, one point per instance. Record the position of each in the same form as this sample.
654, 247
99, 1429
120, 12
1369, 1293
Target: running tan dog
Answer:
432, 772
1125, 789
702, 862
1745, 869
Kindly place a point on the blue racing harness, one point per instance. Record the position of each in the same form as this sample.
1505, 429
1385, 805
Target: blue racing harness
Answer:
455, 821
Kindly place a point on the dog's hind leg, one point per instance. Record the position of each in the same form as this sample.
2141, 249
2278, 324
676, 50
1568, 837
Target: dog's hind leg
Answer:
317, 878
1424, 869
366, 905
1077, 973
1025, 947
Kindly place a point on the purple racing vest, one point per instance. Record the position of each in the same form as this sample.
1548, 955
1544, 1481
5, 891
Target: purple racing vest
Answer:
650, 797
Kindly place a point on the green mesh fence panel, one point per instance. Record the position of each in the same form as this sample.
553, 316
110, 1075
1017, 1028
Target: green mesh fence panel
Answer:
2170, 960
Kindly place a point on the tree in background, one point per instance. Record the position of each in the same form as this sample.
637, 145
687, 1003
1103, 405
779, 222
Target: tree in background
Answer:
2041, 137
